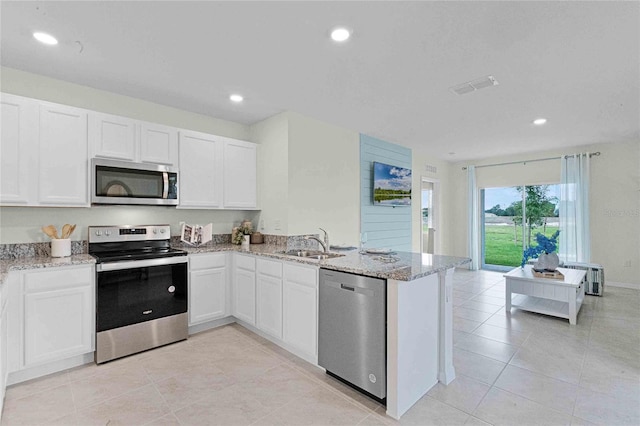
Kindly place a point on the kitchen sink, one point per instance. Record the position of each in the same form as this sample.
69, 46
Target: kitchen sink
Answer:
311, 254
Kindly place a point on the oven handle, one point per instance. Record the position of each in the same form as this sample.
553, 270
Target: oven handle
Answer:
117, 266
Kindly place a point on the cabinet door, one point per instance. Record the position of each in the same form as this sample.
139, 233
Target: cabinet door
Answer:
300, 309
207, 295
58, 324
158, 144
239, 174
16, 144
269, 305
63, 160
112, 137
200, 171
3, 352
244, 295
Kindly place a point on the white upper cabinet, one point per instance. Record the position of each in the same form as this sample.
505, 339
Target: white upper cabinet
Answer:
123, 138
63, 172
158, 144
216, 172
112, 136
19, 122
240, 174
45, 159
200, 170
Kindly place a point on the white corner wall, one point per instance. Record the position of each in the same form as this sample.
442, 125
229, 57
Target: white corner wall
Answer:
273, 173
614, 203
324, 179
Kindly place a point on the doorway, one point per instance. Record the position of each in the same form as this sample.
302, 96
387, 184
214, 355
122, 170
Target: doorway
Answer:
429, 215
510, 219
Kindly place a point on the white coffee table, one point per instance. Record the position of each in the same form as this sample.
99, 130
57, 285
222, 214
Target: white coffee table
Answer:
544, 295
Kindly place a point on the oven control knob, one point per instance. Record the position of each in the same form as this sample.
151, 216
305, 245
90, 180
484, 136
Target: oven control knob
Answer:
155, 230
162, 230
107, 233
98, 233
172, 289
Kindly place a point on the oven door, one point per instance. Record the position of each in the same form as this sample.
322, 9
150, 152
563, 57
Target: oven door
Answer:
138, 291
120, 182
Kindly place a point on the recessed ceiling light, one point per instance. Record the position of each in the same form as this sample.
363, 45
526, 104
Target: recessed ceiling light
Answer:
236, 98
539, 121
340, 34
45, 38
452, 153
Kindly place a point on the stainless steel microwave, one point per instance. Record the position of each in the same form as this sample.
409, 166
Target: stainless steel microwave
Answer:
122, 182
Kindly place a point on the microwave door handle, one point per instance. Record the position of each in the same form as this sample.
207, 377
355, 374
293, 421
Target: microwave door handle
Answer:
165, 185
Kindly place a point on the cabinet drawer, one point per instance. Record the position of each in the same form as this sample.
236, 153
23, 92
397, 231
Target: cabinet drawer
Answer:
245, 262
270, 267
301, 274
207, 261
59, 278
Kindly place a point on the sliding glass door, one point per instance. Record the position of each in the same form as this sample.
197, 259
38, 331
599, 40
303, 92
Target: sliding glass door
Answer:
511, 219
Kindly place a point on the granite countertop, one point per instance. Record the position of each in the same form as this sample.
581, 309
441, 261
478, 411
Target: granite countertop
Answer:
22, 263
401, 266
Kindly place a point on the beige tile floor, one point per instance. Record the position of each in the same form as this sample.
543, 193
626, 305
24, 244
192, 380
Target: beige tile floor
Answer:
513, 369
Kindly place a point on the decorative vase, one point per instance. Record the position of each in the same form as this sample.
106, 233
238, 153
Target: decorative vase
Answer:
246, 241
547, 262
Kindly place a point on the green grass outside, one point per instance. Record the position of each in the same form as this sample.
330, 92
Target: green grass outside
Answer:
502, 249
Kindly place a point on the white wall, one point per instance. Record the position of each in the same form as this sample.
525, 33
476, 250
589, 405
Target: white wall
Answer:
40, 87
614, 203
324, 179
22, 224
273, 173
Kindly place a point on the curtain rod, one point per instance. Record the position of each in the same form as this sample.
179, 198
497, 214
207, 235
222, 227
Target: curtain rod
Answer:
533, 161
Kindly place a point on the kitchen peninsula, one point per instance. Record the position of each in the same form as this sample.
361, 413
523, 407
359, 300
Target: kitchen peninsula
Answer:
419, 307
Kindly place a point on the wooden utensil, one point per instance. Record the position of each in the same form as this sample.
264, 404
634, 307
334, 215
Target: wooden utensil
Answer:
65, 231
51, 231
71, 229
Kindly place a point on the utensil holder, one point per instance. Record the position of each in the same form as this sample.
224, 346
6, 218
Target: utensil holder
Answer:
61, 247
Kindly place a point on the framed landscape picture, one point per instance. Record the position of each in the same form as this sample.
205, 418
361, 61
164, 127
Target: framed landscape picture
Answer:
391, 185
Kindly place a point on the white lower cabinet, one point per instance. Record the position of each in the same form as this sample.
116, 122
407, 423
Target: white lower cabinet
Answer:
57, 308
269, 297
207, 287
300, 309
4, 371
244, 288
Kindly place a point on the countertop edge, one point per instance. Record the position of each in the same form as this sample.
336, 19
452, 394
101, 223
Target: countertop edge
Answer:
401, 273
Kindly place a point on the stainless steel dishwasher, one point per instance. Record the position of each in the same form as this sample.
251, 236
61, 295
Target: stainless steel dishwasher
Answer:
352, 336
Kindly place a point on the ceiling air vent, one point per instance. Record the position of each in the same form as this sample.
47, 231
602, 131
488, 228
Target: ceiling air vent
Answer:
472, 86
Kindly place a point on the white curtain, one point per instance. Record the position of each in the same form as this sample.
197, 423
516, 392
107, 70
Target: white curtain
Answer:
575, 237
474, 249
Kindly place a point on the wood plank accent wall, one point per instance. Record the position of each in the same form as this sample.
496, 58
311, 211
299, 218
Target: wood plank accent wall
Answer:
386, 227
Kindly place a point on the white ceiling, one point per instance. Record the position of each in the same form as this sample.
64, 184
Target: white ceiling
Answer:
575, 63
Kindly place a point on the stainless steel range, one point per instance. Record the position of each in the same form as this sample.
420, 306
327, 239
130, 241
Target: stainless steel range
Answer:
141, 291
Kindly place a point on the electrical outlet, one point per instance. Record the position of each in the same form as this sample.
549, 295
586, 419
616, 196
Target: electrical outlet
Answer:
627, 264
262, 225
276, 225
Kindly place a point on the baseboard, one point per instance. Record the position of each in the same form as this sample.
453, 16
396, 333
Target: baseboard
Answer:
54, 367
633, 286
307, 357
197, 328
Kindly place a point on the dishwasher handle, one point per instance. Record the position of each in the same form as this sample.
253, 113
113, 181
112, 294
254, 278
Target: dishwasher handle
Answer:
344, 287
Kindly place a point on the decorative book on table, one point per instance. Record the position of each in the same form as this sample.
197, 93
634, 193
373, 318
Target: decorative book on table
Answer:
196, 234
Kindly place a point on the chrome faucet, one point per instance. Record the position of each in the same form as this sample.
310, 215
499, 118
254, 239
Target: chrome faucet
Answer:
324, 244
